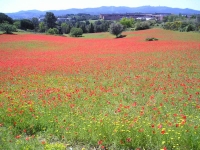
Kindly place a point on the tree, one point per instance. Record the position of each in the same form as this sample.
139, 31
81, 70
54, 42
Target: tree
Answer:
165, 18
50, 20
76, 32
77, 24
17, 24
142, 25
4, 17
87, 22
127, 22
116, 29
189, 28
7, 28
56, 31
91, 28
198, 18
83, 27
65, 28
26, 24
42, 27
53, 31
35, 23
97, 28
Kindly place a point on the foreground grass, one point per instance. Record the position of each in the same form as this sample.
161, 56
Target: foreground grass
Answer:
100, 93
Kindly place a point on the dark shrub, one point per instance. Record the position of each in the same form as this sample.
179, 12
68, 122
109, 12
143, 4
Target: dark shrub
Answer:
151, 39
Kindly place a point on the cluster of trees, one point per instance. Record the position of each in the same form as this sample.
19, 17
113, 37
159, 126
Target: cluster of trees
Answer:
81, 23
6, 24
50, 25
182, 23
179, 26
9, 25
137, 24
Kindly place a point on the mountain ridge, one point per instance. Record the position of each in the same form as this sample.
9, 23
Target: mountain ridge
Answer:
104, 10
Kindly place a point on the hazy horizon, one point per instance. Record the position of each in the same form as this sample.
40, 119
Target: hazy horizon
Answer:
10, 6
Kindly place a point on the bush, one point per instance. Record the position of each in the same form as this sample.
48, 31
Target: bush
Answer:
41, 27
142, 25
127, 22
7, 28
76, 32
182, 26
52, 31
189, 28
56, 31
65, 28
151, 39
116, 29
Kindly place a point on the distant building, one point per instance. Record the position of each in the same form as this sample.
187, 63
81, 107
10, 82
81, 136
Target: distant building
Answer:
139, 16
63, 19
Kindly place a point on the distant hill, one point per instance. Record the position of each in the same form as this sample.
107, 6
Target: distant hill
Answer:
106, 10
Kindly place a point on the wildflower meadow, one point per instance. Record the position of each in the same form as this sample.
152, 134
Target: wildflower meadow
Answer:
98, 92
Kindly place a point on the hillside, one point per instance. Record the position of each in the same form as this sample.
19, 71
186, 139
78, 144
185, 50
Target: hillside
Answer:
105, 9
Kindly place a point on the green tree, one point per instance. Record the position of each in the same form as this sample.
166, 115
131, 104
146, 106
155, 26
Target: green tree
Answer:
35, 22
116, 29
26, 24
127, 22
165, 18
198, 18
65, 28
42, 27
7, 28
4, 17
83, 27
76, 32
87, 22
56, 31
52, 31
142, 25
91, 28
17, 24
50, 20
189, 28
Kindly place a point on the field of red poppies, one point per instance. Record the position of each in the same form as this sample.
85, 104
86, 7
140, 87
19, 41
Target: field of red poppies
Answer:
100, 93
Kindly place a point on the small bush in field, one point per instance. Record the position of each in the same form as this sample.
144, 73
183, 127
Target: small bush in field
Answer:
76, 32
151, 39
116, 29
52, 31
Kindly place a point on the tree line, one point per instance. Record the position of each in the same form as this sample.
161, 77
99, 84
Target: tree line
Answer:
81, 23
182, 23
51, 25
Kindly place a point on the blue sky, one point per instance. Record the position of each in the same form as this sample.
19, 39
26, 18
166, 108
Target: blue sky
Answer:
7, 6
